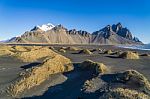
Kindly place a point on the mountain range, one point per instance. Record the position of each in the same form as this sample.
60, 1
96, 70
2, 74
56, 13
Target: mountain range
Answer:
48, 33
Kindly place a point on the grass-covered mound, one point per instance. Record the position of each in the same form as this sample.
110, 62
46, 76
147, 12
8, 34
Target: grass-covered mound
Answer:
33, 55
120, 93
36, 75
93, 66
85, 51
132, 77
62, 50
129, 55
20, 48
6, 50
108, 52
72, 48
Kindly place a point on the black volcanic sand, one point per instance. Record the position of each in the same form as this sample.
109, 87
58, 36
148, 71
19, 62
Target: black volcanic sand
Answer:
68, 85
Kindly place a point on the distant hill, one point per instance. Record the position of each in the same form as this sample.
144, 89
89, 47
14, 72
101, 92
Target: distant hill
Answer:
115, 34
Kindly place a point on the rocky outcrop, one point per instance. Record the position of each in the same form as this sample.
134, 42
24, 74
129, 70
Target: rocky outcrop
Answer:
124, 32
114, 34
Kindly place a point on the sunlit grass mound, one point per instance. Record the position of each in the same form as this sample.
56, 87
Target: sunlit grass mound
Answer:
129, 55
120, 93
108, 52
34, 54
93, 66
19, 49
36, 75
116, 53
93, 50
25, 48
62, 50
72, 48
100, 50
132, 77
6, 50
85, 51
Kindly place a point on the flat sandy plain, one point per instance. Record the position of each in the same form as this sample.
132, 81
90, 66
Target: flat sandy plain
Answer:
68, 85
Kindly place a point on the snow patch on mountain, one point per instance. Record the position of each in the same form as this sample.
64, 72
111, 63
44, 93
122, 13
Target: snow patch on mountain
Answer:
44, 27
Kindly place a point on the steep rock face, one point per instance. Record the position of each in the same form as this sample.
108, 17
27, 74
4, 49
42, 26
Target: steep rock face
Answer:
114, 34
124, 32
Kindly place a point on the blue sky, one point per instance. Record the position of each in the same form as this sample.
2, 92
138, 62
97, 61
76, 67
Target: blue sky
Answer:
18, 16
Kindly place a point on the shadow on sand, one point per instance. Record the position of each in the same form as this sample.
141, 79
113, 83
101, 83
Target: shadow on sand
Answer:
70, 89
30, 65
112, 56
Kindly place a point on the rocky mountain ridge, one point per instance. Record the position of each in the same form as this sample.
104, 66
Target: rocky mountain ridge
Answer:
115, 34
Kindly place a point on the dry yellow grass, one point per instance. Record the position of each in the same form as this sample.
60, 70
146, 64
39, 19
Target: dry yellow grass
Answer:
129, 55
34, 54
19, 49
94, 66
108, 52
120, 93
11, 50
62, 50
36, 75
85, 51
6, 50
72, 48
135, 78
